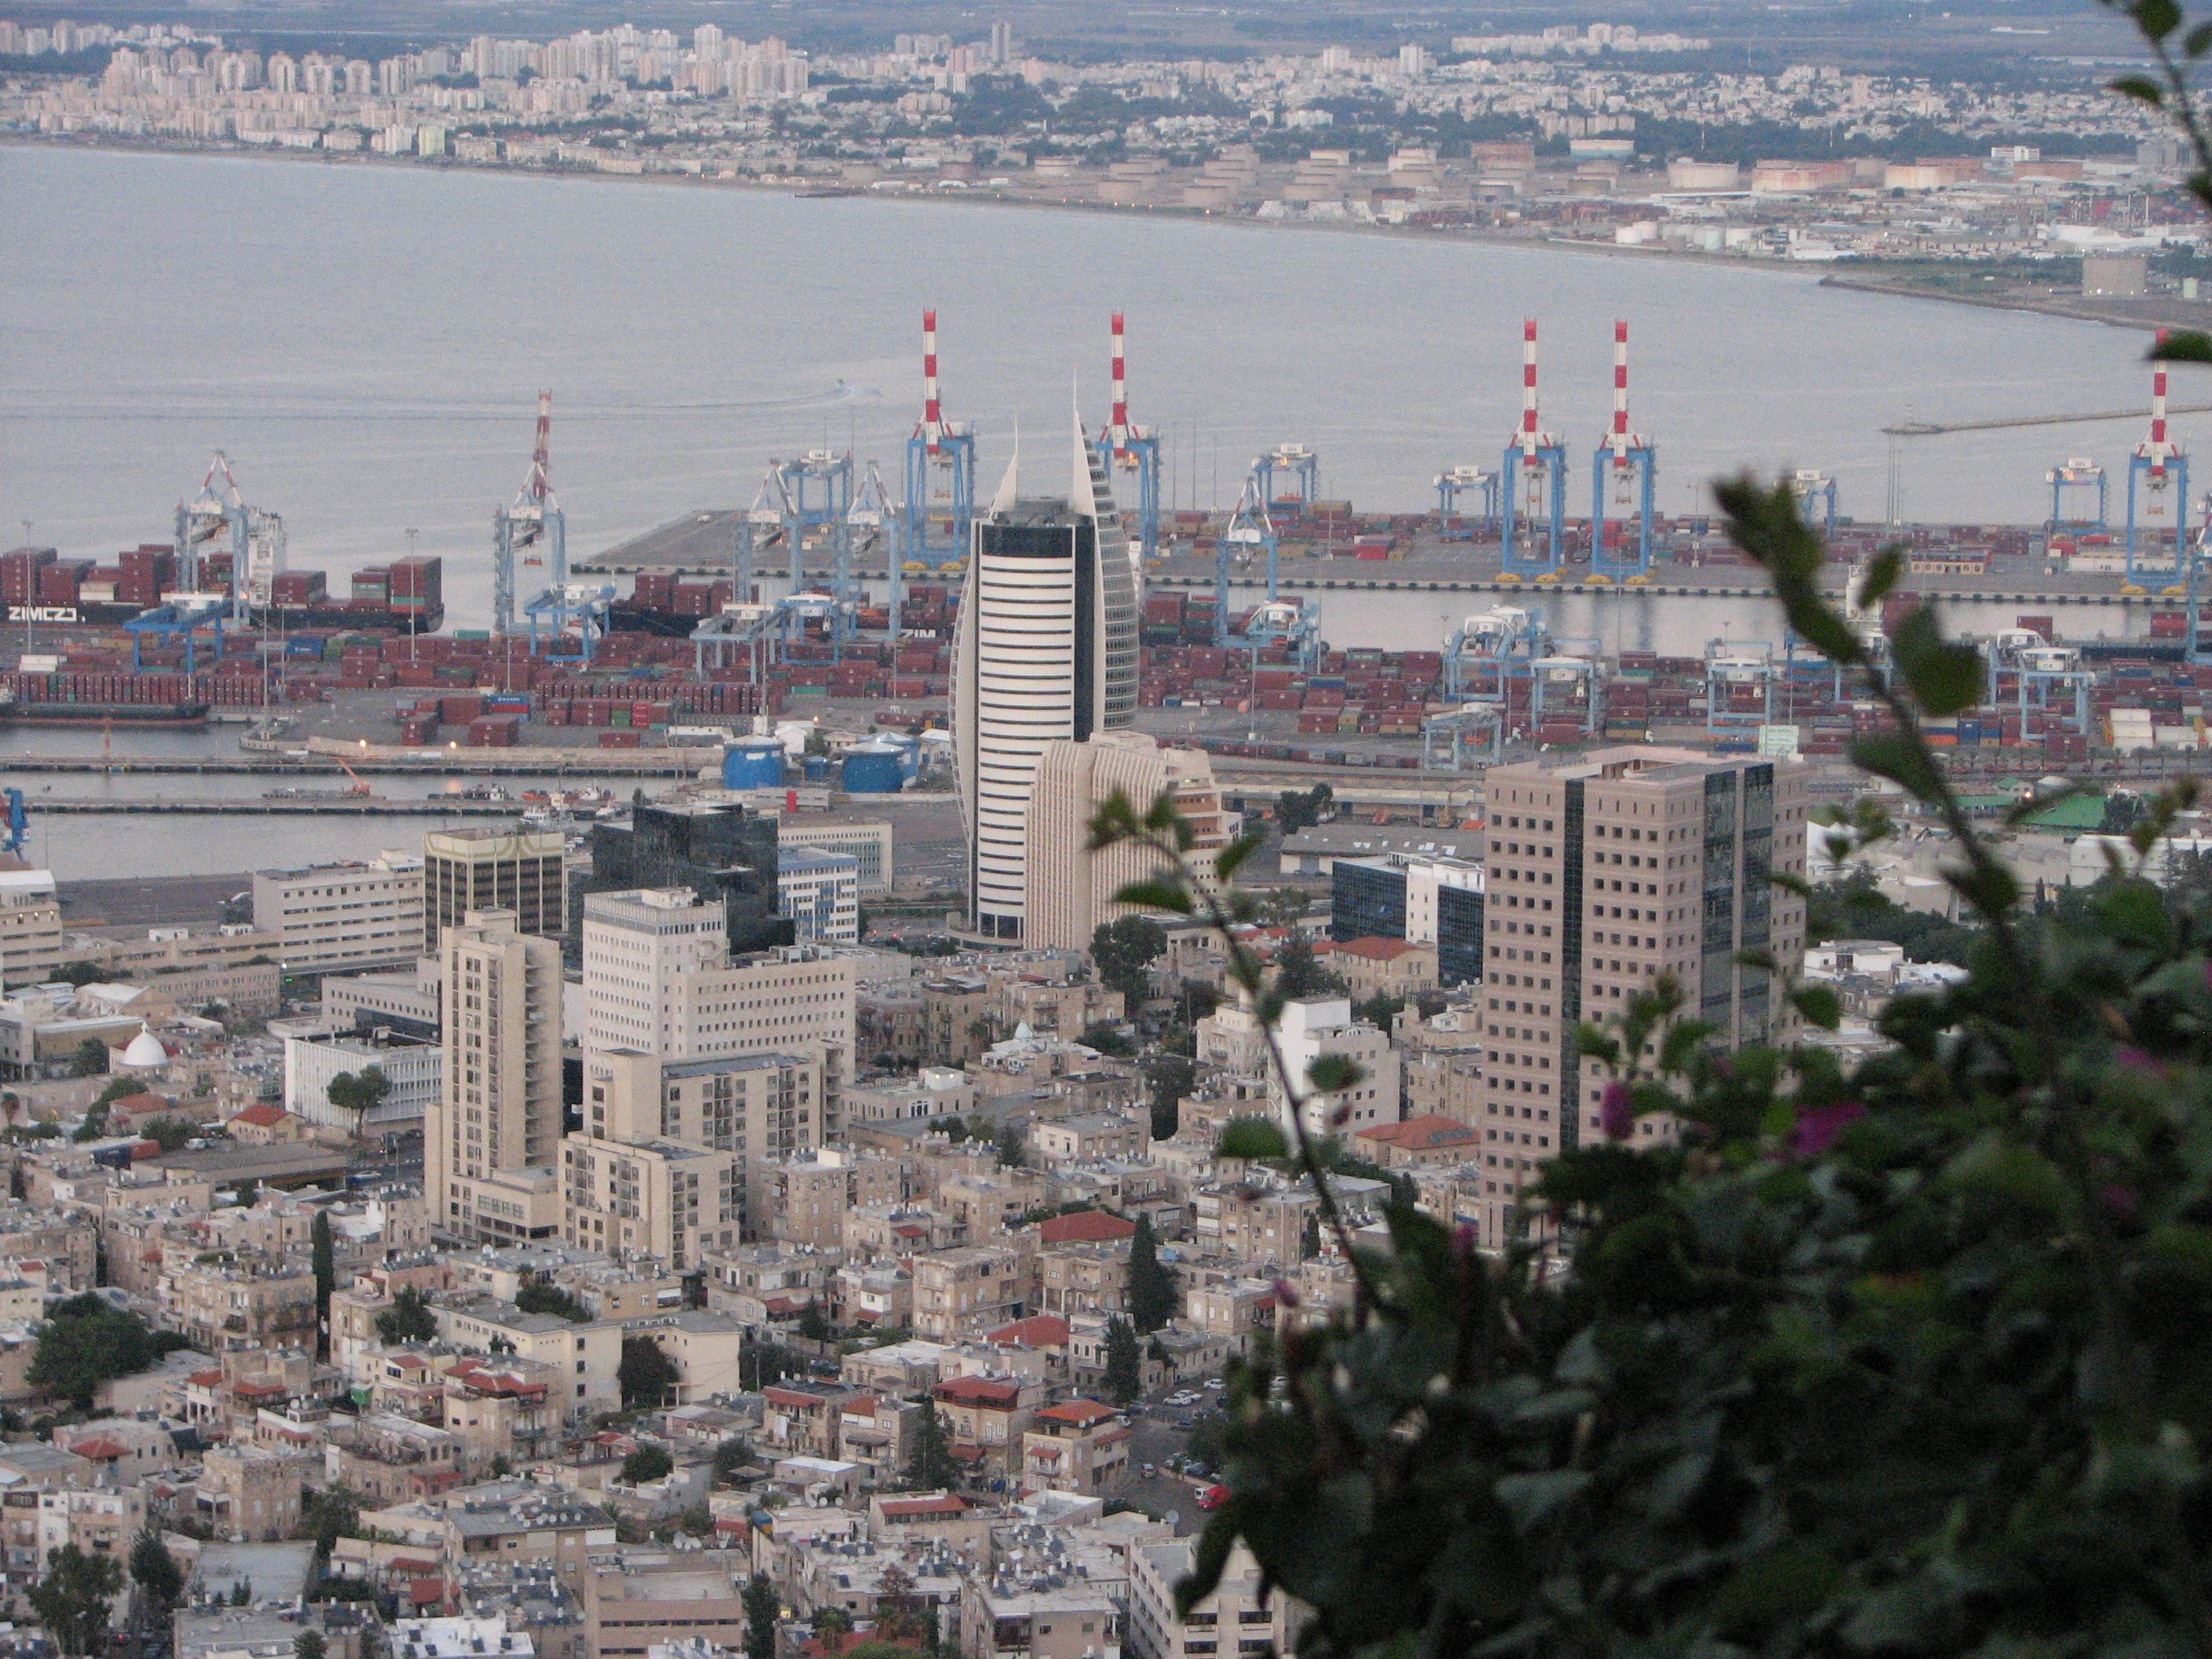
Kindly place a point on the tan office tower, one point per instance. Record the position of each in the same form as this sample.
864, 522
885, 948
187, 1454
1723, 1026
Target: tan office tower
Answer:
1068, 890
504, 867
492, 1137
1606, 870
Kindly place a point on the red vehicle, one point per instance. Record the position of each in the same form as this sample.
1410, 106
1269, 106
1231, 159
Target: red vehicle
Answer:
1212, 1498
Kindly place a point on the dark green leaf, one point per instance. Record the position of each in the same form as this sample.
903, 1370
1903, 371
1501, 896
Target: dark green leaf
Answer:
1333, 1073
2007, 1170
1156, 893
1946, 677
2156, 18
1819, 1004
2187, 345
1791, 1584
1232, 857
1882, 572
2141, 88
1532, 1500
1893, 755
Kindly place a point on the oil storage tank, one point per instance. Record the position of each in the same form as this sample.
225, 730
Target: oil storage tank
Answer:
874, 768
753, 763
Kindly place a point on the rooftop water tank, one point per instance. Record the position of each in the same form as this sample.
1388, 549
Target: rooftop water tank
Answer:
816, 768
753, 763
875, 767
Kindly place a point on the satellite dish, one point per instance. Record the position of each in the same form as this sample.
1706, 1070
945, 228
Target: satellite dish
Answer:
1175, 1517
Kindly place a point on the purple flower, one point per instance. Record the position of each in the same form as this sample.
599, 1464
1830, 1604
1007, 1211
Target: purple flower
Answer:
1614, 1115
1286, 1294
2135, 1060
1817, 1129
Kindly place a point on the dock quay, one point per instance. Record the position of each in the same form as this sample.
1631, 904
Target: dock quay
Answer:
371, 807
530, 763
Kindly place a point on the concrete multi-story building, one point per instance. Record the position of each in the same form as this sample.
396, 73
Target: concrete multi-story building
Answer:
660, 980
413, 1066
723, 853
1606, 870
803, 1198
1078, 1445
1047, 649
1310, 1027
1241, 1619
819, 893
664, 1199
250, 1493
490, 1140
343, 915
494, 867
975, 1286
756, 1105
30, 927
869, 845
1070, 890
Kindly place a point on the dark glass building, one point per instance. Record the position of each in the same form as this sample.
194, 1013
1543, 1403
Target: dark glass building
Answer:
718, 852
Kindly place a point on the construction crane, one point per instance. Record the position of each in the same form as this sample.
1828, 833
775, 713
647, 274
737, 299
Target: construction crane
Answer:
1533, 528
1623, 473
1126, 447
531, 524
940, 483
356, 788
2158, 488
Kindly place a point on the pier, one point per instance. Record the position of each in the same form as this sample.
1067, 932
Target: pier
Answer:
355, 808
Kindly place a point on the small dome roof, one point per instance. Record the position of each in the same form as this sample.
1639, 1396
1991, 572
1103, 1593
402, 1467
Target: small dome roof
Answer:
145, 1051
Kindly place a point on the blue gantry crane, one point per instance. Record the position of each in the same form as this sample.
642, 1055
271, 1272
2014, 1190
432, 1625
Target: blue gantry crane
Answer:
1534, 527
531, 526
1133, 452
1623, 475
941, 484
2073, 488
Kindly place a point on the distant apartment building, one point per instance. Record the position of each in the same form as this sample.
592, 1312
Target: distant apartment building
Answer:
664, 1199
1240, 1618
343, 915
1605, 871
868, 845
494, 867
30, 927
413, 1066
723, 854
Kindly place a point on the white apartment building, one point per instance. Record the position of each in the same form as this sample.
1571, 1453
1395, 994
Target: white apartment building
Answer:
1047, 648
1239, 1620
756, 1105
658, 980
30, 927
492, 1138
416, 1067
820, 892
1315, 1026
343, 915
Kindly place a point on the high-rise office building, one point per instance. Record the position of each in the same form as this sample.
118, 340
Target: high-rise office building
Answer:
1426, 901
494, 867
1070, 890
1047, 649
1604, 871
722, 851
659, 979
491, 1137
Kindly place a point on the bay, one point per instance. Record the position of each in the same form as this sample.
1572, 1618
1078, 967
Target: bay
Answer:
366, 343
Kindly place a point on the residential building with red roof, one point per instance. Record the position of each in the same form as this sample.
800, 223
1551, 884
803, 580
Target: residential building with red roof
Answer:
1418, 1143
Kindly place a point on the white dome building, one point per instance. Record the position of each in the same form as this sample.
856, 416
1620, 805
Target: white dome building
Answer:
145, 1053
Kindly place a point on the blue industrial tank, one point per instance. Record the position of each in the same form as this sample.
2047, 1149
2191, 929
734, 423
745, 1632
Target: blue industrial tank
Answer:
816, 768
875, 767
753, 763
909, 753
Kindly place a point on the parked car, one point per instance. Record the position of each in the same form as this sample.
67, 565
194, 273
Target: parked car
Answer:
1212, 1498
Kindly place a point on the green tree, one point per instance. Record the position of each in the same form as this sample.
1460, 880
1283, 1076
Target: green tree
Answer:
1284, 907
730, 1456
647, 1463
408, 1319
84, 1341
73, 1599
646, 1375
1208, 1438
761, 1610
1381, 1011
1012, 1150
813, 1323
1298, 972
359, 1094
1169, 1078
171, 1133
156, 1572
309, 1645
90, 1059
1122, 951
829, 1620
1108, 1039
931, 1466
1152, 1286
542, 1295
94, 1126
1125, 1373
331, 1514
323, 1251
1301, 809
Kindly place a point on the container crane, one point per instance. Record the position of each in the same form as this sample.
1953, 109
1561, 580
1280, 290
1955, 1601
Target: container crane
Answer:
1533, 528
2158, 488
940, 482
1124, 446
531, 525
2070, 485
1623, 475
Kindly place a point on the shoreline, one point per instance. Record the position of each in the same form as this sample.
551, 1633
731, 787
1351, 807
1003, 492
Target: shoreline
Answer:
2070, 310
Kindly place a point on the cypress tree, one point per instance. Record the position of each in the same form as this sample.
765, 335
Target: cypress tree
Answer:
1152, 1287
